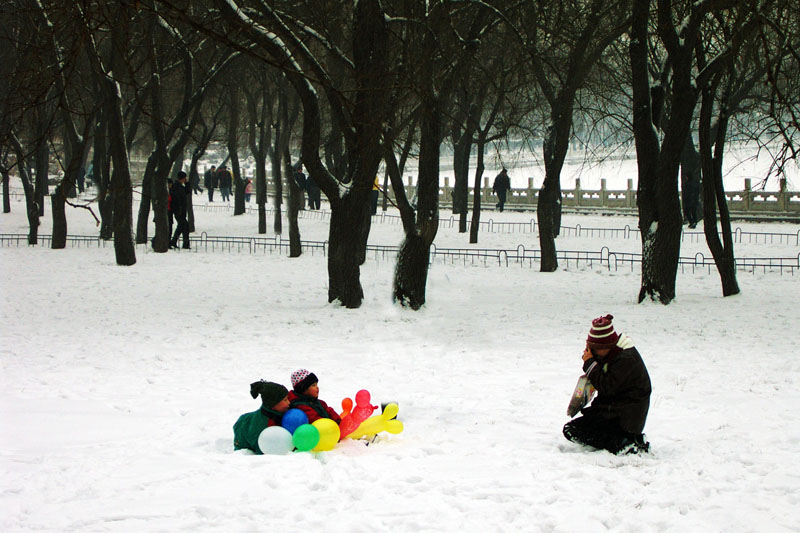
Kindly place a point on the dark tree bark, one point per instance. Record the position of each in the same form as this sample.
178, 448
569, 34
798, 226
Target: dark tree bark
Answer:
464, 127
713, 189
737, 70
145, 200
690, 181
659, 206
233, 151
560, 77
27, 185
295, 247
102, 179
259, 114
411, 273
281, 144
120, 186
6, 192
364, 117
74, 147
42, 159
475, 225
277, 179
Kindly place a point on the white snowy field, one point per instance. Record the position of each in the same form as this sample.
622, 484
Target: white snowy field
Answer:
119, 387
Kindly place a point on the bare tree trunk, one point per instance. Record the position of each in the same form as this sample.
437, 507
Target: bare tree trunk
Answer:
102, 179
145, 200
74, 148
6, 192
411, 273
659, 205
121, 186
344, 249
259, 140
713, 188
30, 206
277, 171
42, 158
27, 185
462, 148
548, 206
295, 248
233, 151
690, 182
475, 225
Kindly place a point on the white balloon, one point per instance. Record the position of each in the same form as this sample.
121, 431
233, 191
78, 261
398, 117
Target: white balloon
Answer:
275, 440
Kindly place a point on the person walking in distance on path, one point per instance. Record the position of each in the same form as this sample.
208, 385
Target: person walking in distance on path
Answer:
210, 181
501, 186
179, 208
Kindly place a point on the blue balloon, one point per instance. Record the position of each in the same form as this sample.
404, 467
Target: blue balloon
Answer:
292, 419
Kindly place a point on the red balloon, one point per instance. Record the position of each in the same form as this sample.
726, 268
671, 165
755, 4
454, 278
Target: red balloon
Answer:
363, 408
362, 398
362, 413
348, 425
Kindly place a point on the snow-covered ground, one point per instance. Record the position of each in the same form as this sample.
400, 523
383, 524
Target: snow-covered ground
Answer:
119, 387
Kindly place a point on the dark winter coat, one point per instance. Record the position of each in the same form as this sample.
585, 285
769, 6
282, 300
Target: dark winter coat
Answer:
210, 179
502, 183
178, 201
623, 387
249, 426
225, 178
314, 408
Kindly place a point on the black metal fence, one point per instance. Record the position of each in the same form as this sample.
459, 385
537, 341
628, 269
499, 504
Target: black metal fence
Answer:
520, 256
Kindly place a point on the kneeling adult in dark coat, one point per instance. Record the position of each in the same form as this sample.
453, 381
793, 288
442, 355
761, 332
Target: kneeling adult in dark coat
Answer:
615, 419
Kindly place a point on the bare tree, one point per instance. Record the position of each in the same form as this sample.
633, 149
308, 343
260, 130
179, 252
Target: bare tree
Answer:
564, 41
363, 116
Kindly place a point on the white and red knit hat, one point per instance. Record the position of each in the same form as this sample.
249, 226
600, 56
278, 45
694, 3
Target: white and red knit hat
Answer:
602, 334
302, 379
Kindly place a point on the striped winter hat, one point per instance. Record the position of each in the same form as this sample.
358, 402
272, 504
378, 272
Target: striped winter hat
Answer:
602, 334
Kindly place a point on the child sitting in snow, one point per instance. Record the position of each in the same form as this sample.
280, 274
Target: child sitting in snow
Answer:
615, 419
274, 402
305, 397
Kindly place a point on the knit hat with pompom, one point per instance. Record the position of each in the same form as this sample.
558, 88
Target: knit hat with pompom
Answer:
271, 393
602, 334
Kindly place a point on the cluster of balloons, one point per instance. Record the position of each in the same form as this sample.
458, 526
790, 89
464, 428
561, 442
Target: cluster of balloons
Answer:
352, 418
358, 422
295, 433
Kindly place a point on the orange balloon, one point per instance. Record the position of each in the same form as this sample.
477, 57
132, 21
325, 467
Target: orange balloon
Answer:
347, 406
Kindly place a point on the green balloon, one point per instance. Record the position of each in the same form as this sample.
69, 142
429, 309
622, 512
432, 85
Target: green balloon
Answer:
305, 437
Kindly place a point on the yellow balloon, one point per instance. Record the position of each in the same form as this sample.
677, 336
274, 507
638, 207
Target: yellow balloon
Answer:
378, 423
370, 426
391, 410
328, 434
394, 427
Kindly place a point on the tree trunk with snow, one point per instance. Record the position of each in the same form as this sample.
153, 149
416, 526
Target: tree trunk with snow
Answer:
411, 273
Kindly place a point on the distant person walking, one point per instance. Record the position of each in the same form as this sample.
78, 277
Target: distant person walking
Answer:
373, 197
314, 195
178, 202
502, 184
301, 182
210, 181
225, 183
